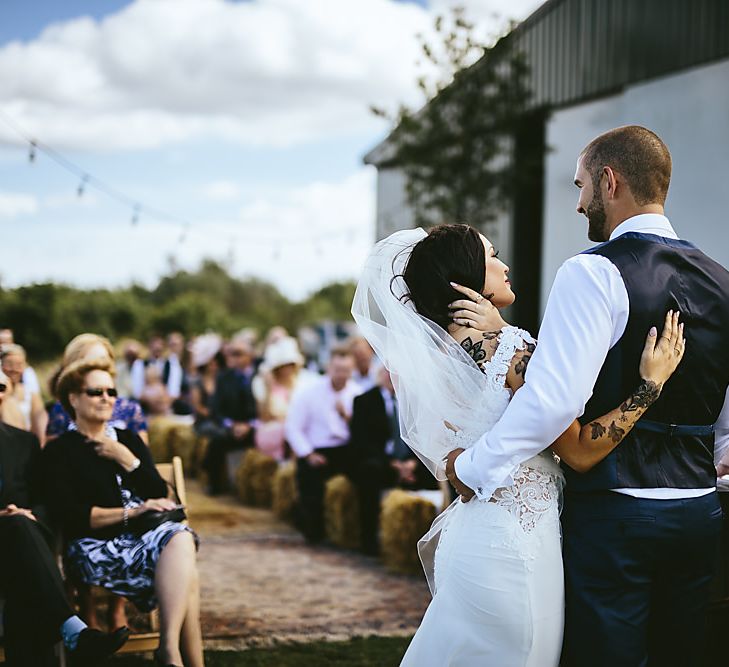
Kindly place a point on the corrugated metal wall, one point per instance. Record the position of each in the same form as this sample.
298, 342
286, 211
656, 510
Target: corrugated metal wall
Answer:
578, 49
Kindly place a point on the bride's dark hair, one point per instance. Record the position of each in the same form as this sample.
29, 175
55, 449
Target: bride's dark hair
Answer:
449, 253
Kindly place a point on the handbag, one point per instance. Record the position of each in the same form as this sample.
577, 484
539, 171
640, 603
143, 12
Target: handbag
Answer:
150, 520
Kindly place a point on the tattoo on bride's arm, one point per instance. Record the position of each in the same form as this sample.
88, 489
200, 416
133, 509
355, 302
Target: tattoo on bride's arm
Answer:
598, 430
474, 350
490, 335
643, 397
520, 368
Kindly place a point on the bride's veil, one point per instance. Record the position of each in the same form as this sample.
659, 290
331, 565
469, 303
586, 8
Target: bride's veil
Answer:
435, 380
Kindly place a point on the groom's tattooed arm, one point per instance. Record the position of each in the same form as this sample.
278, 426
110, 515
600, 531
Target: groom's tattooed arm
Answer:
584, 447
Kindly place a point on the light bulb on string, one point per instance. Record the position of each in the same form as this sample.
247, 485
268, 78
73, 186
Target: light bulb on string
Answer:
31, 152
135, 214
82, 185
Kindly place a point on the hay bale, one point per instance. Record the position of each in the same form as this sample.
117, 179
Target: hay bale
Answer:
404, 519
284, 489
183, 443
341, 513
254, 478
160, 430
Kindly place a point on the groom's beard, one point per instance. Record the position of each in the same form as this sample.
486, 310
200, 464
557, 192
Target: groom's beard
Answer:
597, 220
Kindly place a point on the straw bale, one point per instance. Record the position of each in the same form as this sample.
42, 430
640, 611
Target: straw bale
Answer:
404, 519
254, 478
341, 513
285, 491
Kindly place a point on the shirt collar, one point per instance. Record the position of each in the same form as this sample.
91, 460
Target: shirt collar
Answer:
646, 223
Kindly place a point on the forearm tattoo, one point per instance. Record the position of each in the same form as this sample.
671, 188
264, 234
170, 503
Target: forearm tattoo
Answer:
643, 397
490, 335
520, 368
615, 433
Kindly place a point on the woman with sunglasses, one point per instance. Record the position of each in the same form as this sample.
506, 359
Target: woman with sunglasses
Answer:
127, 413
99, 481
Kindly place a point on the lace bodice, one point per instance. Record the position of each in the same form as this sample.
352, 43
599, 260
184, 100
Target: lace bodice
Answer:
537, 482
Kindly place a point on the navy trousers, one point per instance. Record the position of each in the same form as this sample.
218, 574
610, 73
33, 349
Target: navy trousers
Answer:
637, 579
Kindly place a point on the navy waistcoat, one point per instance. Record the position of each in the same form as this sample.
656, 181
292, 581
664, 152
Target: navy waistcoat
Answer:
662, 274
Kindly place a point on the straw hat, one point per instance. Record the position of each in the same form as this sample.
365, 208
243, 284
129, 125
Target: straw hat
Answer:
204, 348
284, 351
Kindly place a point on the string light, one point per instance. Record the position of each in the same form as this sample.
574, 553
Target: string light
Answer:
82, 185
87, 180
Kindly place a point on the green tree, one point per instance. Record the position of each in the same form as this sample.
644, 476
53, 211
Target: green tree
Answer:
455, 150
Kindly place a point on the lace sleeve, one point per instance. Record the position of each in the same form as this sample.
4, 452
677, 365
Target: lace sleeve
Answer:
512, 339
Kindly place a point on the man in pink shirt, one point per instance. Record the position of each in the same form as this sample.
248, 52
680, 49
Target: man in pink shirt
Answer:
317, 429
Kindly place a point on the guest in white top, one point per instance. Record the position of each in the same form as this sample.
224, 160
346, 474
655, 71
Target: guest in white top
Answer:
317, 429
30, 379
30, 403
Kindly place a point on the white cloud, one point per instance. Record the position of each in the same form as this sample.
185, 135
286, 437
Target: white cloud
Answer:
13, 204
221, 191
297, 239
264, 72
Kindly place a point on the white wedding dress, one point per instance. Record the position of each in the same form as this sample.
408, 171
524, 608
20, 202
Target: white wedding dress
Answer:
499, 596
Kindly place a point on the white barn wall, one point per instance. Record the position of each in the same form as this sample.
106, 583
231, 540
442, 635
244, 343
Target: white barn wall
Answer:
690, 112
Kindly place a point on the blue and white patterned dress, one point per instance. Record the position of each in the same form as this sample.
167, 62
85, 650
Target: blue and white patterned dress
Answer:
125, 564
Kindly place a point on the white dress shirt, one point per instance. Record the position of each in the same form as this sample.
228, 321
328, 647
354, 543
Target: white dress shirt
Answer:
586, 314
313, 421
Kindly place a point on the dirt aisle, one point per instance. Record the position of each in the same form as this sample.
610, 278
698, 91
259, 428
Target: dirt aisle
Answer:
261, 583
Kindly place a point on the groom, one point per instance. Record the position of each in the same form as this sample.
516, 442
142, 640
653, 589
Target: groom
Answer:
641, 529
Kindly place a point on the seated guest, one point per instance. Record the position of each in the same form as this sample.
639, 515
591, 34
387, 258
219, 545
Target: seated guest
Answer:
37, 613
10, 413
178, 376
155, 399
317, 428
101, 480
127, 413
130, 353
274, 384
28, 401
380, 458
155, 357
30, 378
366, 364
207, 360
234, 409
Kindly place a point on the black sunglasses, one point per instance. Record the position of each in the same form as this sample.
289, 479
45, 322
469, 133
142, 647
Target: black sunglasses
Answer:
3, 387
95, 392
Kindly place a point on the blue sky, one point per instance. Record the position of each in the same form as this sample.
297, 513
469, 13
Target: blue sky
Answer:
248, 119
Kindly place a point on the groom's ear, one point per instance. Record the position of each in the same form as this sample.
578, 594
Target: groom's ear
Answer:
610, 181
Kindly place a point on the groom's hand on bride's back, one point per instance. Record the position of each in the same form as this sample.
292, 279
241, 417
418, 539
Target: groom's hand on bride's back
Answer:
462, 490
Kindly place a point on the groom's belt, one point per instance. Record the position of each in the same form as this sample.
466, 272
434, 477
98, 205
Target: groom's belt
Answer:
674, 429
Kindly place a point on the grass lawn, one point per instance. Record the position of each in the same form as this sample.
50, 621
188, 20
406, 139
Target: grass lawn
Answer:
375, 651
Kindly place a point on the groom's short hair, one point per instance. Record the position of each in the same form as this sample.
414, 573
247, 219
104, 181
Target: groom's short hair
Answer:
638, 155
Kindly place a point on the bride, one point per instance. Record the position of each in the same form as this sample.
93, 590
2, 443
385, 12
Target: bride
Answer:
494, 567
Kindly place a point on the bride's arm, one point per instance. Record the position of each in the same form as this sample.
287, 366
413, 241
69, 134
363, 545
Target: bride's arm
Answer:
583, 447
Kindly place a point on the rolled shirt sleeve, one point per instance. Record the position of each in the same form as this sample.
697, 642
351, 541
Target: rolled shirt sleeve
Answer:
585, 316
296, 423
